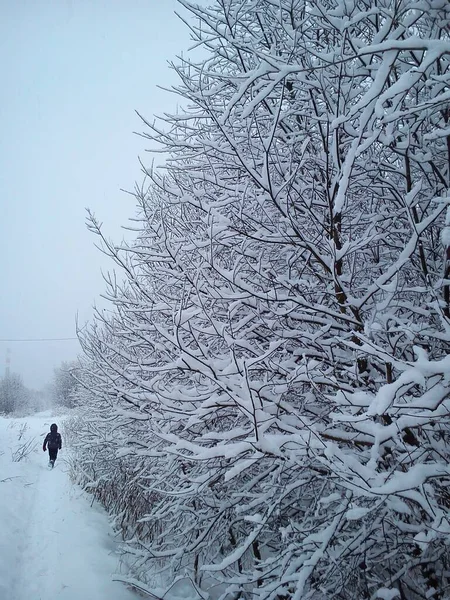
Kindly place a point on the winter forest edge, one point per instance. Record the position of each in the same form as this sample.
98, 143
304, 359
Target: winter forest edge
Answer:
266, 404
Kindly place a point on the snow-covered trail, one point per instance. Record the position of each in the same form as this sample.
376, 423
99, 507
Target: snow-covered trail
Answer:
53, 543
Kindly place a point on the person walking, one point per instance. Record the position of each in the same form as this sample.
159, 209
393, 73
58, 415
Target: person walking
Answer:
54, 442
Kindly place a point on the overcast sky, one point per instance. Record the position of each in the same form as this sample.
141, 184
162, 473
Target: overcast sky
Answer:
73, 72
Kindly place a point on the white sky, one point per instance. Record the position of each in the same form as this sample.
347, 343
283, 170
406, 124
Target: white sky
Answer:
72, 72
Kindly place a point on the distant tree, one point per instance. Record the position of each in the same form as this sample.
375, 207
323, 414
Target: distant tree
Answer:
40, 399
14, 396
64, 385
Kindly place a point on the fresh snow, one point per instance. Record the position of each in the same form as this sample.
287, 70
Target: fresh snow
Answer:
54, 542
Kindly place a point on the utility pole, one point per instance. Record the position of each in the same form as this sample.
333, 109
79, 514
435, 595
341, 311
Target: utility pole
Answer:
7, 362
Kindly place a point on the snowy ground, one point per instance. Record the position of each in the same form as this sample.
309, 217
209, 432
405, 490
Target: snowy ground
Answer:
53, 543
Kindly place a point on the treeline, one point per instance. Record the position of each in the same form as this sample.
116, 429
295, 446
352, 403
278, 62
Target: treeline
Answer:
268, 399
63, 388
16, 398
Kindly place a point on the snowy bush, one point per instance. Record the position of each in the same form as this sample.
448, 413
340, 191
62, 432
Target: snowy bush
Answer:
269, 398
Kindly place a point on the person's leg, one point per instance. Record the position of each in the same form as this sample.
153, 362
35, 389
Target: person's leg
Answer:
52, 453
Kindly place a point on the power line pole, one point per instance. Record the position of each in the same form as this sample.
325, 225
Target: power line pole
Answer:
7, 362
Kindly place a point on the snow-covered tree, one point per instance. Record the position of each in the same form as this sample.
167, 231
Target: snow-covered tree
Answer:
14, 396
271, 388
64, 384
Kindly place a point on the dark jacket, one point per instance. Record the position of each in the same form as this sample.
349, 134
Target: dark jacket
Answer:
53, 439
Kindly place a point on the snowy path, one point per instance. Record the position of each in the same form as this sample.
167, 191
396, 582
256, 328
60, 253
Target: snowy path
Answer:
52, 542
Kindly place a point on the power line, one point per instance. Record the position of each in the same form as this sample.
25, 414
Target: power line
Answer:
39, 339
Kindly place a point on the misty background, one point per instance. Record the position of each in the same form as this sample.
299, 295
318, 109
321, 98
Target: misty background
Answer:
73, 74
